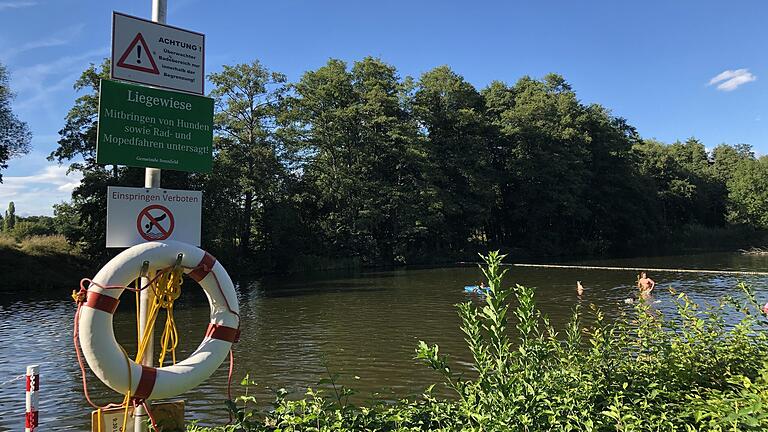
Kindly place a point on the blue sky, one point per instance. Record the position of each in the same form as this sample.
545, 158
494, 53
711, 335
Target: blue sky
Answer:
651, 62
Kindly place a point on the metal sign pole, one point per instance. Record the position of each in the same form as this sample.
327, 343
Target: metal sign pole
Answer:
151, 180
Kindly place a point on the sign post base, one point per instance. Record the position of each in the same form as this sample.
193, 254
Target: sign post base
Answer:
168, 415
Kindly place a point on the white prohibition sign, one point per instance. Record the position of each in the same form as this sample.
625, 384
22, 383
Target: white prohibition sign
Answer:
139, 215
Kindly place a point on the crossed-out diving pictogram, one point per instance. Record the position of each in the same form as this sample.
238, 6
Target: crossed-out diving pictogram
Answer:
155, 222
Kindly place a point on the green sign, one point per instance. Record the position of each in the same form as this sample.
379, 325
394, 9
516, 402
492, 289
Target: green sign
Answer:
146, 127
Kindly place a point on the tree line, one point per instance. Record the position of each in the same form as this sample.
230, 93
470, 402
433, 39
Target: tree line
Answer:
358, 164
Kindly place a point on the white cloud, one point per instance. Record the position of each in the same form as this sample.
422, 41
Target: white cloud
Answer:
32, 77
61, 37
16, 4
35, 85
731, 79
37, 193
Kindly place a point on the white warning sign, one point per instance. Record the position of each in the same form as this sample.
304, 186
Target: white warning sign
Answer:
132, 58
160, 55
139, 215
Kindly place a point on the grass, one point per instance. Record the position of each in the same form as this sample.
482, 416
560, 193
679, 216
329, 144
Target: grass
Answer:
40, 262
46, 246
7, 242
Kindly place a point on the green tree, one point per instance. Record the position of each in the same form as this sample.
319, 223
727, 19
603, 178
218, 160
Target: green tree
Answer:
66, 221
361, 160
14, 133
616, 196
727, 158
686, 189
542, 156
728, 163
248, 99
9, 222
451, 111
709, 200
748, 193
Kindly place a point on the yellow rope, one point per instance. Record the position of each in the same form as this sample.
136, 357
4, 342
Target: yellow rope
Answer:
166, 289
169, 290
127, 399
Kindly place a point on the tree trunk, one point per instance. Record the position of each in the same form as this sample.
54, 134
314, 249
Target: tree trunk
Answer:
245, 234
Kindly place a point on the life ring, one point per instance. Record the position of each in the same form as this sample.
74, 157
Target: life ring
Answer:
107, 359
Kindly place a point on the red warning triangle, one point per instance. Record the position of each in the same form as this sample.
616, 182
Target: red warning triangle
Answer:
136, 55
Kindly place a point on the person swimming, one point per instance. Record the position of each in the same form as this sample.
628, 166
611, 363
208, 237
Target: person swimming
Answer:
579, 289
645, 284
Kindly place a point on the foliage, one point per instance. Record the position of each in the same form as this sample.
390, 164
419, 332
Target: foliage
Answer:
362, 160
33, 226
14, 133
451, 112
248, 175
642, 372
41, 262
748, 193
46, 245
687, 190
35, 253
354, 163
9, 221
35, 235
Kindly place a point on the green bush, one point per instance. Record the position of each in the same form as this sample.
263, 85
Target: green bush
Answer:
33, 226
46, 245
641, 372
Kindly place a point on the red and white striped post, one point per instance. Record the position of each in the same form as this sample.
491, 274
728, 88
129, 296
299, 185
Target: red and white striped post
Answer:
33, 399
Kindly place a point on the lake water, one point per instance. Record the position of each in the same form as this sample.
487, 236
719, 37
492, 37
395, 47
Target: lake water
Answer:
363, 326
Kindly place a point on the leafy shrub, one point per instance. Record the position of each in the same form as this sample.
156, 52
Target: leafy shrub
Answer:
33, 226
46, 245
642, 372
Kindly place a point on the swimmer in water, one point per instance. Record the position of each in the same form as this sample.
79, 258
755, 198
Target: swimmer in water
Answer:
645, 285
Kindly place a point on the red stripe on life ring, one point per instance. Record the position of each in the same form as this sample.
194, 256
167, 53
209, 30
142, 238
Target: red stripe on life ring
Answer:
102, 302
146, 383
202, 269
224, 333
